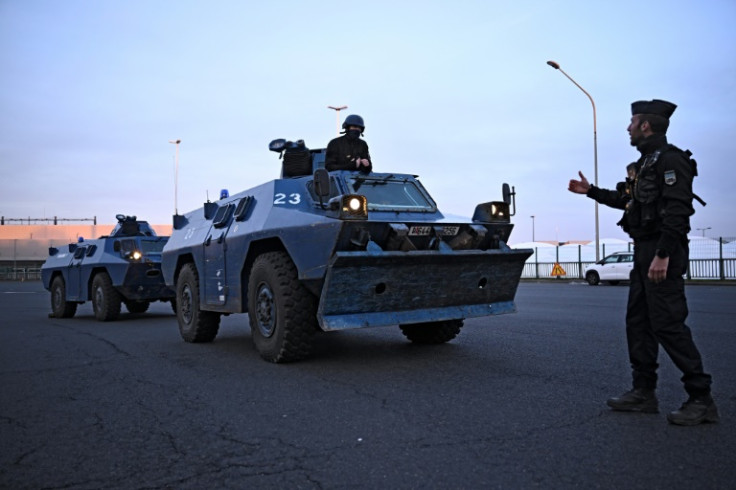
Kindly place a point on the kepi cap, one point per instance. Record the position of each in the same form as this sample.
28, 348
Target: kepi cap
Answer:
657, 107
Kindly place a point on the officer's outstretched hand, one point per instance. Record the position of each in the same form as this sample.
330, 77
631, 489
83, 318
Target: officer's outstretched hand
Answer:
579, 186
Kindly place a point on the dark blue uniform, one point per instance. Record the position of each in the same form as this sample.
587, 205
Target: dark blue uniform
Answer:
658, 206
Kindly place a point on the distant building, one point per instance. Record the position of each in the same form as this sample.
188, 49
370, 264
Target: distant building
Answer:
24, 248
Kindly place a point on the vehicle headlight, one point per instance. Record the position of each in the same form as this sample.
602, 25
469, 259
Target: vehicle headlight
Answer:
354, 204
490, 212
499, 211
134, 255
350, 206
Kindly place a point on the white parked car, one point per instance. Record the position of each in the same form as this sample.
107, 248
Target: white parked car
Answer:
613, 268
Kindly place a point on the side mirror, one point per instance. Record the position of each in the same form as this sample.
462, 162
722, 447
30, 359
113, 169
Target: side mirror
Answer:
322, 182
506, 193
509, 197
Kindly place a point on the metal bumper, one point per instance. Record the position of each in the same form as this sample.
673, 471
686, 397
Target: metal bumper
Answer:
364, 289
144, 282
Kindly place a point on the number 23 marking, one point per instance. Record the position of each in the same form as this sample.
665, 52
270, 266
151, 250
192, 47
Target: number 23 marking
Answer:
280, 198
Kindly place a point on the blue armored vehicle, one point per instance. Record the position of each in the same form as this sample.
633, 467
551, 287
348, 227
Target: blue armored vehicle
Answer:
124, 267
337, 250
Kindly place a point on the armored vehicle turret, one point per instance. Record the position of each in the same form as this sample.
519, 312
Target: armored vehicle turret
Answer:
338, 250
123, 267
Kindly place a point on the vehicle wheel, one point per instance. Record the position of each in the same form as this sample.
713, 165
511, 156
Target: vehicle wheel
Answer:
282, 312
195, 325
60, 307
137, 306
432, 332
592, 278
613, 283
105, 299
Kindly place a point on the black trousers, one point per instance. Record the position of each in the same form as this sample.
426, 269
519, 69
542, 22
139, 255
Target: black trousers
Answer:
656, 316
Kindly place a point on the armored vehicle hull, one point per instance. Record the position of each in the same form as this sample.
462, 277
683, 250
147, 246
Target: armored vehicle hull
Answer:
122, 268
337, 251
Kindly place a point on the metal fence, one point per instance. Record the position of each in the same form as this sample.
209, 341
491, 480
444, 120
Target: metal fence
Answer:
710, 259
20, 273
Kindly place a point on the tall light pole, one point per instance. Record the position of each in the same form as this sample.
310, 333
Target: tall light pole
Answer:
337, 114
703, 230
176, 176
533, 239
556, 66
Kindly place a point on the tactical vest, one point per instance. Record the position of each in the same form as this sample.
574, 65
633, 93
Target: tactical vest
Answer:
644, 211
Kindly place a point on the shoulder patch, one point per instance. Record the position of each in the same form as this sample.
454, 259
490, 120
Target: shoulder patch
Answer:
670, 177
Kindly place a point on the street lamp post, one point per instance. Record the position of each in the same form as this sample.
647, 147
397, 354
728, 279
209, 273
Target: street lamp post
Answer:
556, 66
176, 176
703, 230
337, 115
533, 239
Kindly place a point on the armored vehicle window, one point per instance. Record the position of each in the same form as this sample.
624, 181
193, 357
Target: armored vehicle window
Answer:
333, 189
152, 246
79, 252
243, 206
392, 194
127, 245
91, 250
223, 215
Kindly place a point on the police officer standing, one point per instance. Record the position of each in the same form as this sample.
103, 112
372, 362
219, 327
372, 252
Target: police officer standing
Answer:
657, 203
349, 152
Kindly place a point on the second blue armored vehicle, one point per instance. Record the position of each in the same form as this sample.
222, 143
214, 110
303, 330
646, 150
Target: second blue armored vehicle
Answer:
338, 250
122, 268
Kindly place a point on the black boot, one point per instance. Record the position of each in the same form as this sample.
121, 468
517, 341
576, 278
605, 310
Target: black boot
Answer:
636, 400
694, 411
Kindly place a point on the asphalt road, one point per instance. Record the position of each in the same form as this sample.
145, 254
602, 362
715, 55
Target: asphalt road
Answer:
516, 401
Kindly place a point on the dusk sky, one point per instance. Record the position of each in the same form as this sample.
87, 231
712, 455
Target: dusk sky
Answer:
457, 92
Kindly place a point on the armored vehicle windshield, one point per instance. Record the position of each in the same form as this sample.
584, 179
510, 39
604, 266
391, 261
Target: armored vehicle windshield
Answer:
392, 193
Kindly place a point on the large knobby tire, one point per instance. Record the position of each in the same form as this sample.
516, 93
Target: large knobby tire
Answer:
60, 307
432, 332
106, 300
282, 312
137, 306
195, 325
593, 278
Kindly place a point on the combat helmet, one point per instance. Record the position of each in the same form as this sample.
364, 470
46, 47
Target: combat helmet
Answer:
354, 120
